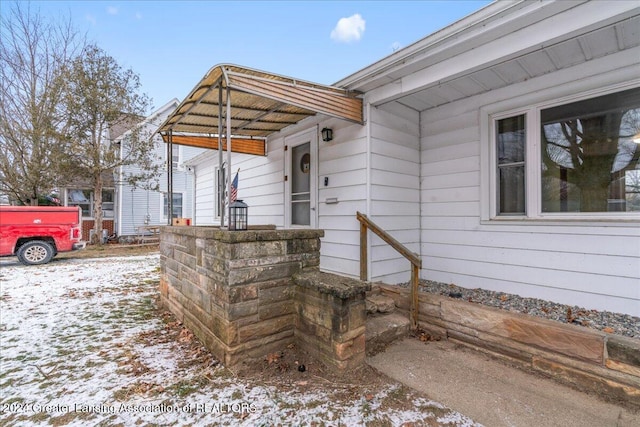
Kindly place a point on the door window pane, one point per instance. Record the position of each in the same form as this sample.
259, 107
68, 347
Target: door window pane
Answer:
301, 185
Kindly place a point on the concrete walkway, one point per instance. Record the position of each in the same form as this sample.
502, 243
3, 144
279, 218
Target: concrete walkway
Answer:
492, 392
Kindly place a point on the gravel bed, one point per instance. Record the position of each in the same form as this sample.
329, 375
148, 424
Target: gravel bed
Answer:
614, 323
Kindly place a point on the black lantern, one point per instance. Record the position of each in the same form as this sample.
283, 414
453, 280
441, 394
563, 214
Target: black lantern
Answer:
327, 134
238, 216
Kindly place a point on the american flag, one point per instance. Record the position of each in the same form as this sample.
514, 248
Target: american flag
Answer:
234, 189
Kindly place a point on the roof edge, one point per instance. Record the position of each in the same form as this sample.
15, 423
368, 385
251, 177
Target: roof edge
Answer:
481, 17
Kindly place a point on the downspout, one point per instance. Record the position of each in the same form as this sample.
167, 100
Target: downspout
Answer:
420, 206
368, 183
120, 191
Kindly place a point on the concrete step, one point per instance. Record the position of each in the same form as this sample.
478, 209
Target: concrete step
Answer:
383, 329
378, 303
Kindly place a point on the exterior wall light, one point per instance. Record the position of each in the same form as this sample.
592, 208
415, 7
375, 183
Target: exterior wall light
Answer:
327, 134
238, 213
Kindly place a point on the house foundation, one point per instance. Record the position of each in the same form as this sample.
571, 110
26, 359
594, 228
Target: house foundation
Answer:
235, 290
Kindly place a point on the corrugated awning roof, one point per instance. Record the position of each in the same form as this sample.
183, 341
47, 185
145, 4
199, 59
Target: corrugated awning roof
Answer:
260, 104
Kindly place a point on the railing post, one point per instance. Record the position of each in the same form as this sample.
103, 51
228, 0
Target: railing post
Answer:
416, 263
415, 279
363, 252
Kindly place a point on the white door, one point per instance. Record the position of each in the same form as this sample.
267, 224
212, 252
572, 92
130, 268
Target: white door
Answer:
301, 179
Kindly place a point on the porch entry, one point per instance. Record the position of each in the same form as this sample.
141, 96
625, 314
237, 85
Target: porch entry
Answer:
301, 179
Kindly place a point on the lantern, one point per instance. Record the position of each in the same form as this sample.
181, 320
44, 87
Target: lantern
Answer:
327, 134
238, 216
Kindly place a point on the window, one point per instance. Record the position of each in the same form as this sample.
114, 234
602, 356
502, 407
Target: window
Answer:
175, 156
572, 158
84, 198
510, 149
81, 198
588, 154
107, 203
177, 205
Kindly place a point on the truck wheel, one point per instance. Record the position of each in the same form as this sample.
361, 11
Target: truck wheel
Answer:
35, 252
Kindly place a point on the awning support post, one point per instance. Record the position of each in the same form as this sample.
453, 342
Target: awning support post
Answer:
220, 160
170, 178
228, 134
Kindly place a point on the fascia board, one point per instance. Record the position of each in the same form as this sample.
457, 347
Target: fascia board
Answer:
528, 38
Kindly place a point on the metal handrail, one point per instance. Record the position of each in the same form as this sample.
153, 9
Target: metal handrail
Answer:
416, 262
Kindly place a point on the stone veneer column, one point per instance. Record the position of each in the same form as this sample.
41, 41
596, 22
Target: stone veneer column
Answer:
234, 289
331, 318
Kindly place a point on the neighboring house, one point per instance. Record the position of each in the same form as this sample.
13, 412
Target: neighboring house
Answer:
81, 194
142, 206
503, 149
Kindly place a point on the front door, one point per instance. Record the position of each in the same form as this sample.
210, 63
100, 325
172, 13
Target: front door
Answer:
301, 182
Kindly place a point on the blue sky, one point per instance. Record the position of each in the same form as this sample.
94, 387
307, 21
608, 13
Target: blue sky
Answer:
172, 44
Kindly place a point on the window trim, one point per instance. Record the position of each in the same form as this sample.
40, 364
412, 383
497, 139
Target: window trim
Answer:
531, 105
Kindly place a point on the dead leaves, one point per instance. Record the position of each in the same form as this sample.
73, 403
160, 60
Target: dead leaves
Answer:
185, 336
273, 357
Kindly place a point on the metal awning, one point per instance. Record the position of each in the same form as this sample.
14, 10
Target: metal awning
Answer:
234, 109
260, 104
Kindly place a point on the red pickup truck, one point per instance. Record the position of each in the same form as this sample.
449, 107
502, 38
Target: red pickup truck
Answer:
35, 234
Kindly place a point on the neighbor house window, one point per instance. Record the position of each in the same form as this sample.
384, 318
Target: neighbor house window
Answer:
578, 157
175, 156
177, 205
86, 200
589, 159
81, 198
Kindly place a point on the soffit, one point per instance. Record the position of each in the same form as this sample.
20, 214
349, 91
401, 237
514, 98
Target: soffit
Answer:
607, 40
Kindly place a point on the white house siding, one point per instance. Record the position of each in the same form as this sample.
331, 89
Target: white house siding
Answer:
344, 162
260, 185
395, 189
595, 264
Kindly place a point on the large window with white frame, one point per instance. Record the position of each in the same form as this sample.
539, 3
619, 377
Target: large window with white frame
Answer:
580, 157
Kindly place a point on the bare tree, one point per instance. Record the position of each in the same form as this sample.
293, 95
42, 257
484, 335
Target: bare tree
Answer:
100, 95
33, 54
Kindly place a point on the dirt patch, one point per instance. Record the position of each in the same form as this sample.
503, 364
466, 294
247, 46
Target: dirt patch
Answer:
109, 250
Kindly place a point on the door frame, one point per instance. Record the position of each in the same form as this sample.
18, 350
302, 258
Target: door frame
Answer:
310, 136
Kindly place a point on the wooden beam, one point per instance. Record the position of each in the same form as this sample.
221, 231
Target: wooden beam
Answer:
238, 145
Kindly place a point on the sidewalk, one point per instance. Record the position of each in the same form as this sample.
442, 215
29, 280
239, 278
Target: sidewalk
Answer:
490, 391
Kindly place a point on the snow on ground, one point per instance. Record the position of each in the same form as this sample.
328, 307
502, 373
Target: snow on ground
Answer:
76, 349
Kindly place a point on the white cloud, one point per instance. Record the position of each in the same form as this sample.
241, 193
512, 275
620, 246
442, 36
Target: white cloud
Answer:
138, 16
91, 19
348, 29
112, 10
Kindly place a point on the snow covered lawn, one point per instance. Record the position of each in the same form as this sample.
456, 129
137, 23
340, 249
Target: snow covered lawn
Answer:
82, 343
